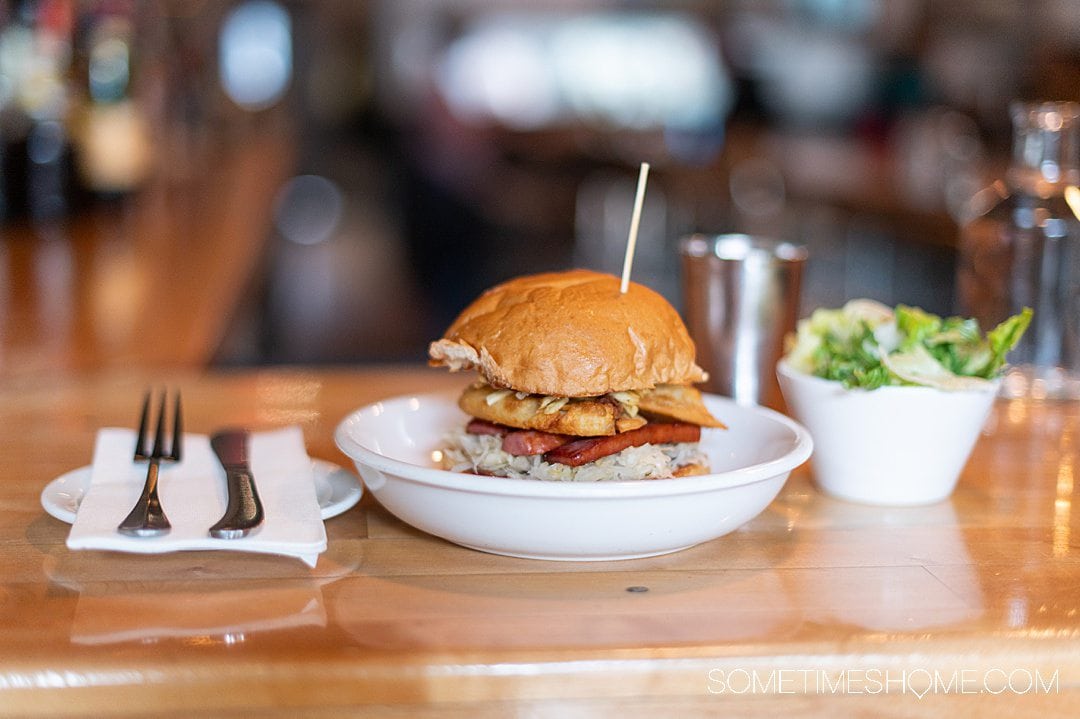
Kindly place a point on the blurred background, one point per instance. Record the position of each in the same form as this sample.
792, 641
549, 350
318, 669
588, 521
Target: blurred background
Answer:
248, 182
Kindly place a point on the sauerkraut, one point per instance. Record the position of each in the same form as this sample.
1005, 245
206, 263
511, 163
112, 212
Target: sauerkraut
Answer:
483, 454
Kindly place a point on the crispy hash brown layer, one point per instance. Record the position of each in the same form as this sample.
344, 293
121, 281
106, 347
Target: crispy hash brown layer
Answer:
677, 403
587, 416
691, 470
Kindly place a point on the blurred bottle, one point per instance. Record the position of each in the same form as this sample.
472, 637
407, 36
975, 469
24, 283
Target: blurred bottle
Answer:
114, 153
35, 58
1020, 247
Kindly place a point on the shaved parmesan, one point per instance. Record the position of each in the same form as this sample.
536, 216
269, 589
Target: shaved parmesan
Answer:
872, 312
918, 366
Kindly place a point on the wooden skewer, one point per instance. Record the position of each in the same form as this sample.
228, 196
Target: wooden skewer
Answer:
631, 242
1072, 198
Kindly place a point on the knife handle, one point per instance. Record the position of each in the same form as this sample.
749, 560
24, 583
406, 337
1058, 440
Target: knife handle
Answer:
244, 511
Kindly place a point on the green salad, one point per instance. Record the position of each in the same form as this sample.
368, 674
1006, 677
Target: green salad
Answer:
867, 345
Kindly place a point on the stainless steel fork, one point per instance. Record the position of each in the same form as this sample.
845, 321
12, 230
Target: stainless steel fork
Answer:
147, 518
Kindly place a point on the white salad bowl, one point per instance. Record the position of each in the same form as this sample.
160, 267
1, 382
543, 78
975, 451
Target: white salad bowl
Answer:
394, 444
896, 446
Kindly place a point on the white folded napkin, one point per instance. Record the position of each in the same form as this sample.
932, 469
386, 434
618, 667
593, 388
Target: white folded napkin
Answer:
193, 495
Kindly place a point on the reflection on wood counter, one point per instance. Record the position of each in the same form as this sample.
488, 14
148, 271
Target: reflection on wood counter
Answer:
970, 606
155, 281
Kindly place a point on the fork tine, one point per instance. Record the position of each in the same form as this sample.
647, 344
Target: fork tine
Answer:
178, 431
159, 432
144, 420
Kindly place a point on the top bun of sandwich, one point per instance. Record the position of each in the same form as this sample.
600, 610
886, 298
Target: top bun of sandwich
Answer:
570, 334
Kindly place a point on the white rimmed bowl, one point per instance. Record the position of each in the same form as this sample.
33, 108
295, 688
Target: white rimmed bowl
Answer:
392, 444
895, 446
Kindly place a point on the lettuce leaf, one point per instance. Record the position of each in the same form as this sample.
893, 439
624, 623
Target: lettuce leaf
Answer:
1006, 336
868, 345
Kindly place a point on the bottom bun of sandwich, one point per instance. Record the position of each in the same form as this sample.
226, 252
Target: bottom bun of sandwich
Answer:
578, 382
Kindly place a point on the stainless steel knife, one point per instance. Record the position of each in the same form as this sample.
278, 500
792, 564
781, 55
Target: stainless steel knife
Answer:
244, 511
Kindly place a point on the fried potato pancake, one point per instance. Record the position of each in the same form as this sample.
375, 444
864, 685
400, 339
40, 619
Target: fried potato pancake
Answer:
678, 403
691, 470
589, 417
581, 418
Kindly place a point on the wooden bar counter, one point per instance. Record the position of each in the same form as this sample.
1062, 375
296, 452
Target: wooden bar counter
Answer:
966, 608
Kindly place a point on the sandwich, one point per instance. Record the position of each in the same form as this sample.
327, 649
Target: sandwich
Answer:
577, 381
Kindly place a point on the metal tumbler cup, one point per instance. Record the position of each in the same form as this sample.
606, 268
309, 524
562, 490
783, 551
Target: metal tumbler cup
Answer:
741, 297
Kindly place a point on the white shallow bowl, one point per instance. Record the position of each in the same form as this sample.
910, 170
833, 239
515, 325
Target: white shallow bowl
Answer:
392, 443
895, 446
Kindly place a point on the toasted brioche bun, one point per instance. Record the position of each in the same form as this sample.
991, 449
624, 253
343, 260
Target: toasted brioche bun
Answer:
570, 334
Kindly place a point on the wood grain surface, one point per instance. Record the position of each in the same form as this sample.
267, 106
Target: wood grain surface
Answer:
970, 607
